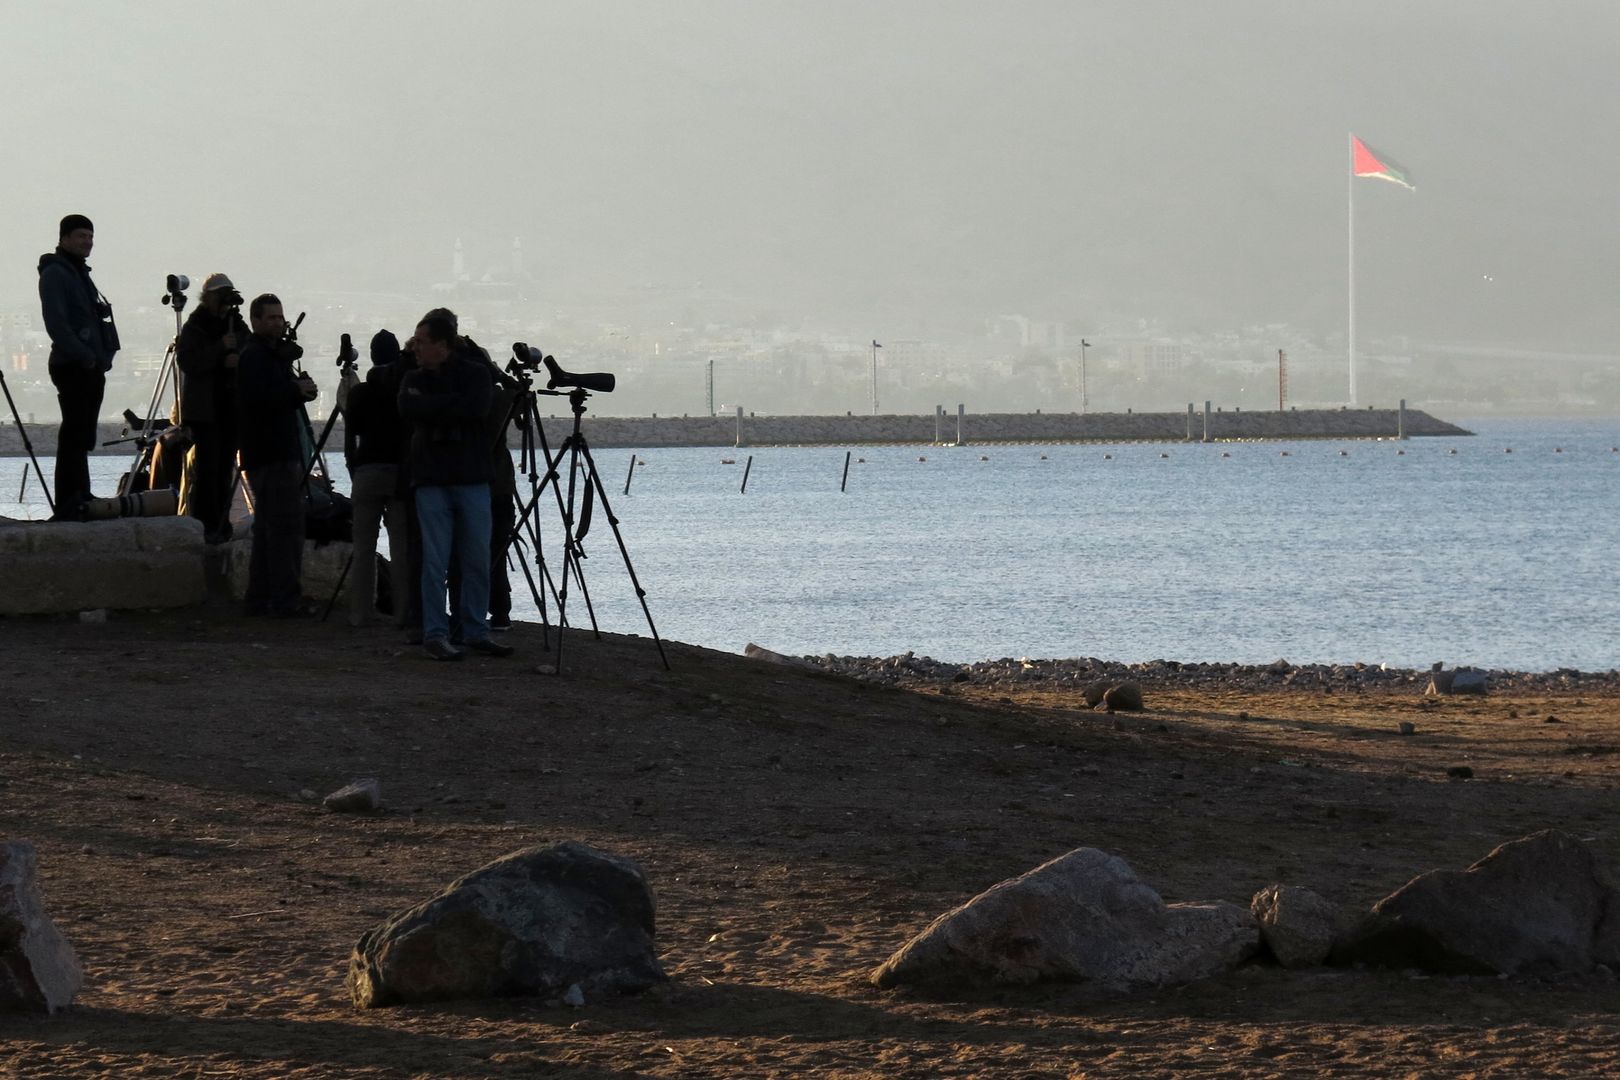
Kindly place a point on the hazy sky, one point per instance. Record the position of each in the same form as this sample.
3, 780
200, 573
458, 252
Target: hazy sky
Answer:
850, 162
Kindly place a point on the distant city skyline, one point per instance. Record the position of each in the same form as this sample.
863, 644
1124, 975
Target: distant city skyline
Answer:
914, 170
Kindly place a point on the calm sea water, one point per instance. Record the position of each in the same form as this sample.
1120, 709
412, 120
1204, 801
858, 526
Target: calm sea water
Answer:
1384, 552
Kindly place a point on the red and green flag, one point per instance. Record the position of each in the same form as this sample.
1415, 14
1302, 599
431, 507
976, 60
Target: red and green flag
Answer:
1367, 162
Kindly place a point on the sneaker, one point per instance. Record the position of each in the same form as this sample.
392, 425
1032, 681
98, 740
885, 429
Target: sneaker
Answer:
489, 648
500, 623
440, 649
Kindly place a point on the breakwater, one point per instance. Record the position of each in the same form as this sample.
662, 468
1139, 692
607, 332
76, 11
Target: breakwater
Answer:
976, 428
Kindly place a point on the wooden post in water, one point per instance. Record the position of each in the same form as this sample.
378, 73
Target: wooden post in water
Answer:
1206, 420
960, 410
746, 467
1400, 420
629, 474
845, 480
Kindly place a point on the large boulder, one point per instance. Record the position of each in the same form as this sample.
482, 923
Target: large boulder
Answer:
1083, 917
535, 922
1540, 905
38, 971
1298, 926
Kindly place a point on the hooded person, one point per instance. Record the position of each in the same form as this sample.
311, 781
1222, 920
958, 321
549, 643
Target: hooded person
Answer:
373, 439
84, 340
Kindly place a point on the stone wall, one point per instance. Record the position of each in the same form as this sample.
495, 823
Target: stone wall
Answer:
657, 431
119, 564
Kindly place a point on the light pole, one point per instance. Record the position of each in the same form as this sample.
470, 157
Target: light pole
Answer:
875, 348
1084, 344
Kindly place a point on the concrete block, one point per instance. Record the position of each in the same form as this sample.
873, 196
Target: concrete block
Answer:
128, 563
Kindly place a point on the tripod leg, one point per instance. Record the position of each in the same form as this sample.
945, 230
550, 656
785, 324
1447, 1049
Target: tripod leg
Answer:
342, 577
595, 478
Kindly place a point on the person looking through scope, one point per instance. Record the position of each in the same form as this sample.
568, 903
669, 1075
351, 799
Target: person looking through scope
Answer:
502, 479
207, 355
446, 400
372, 434
84, 340
269, 404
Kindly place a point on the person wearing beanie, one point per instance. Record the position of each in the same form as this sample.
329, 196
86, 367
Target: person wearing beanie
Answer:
207, 354
84, 340
405, 563
373, 437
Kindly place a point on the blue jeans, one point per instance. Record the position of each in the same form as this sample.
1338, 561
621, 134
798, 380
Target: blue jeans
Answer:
455, 517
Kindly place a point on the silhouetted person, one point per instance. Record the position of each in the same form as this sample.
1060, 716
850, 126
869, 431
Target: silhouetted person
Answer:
84, 340
446, 400
207, 354
270, 398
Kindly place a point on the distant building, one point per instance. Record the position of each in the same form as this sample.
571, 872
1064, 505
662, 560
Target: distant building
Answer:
1153, 357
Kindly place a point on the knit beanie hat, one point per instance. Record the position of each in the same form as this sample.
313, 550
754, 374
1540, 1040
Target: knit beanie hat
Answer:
384, 348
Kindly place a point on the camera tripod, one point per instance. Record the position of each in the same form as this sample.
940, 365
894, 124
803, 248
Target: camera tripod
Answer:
28, 446
174, 296
582, 464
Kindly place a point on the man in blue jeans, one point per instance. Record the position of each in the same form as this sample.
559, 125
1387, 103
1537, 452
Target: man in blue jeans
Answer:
445, 400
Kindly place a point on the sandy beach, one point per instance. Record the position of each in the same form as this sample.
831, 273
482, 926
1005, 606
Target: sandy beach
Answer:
797, 826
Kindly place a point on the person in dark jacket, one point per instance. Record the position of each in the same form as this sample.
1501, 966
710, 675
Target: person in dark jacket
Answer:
270, 397
207, 354
84, 340
372, 432
502, 478
446, 400
407, 562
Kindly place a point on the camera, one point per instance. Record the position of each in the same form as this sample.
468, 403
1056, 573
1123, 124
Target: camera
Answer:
526, 357
174, 294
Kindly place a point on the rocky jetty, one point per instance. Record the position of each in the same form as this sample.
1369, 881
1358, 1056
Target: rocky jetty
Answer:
1078, 673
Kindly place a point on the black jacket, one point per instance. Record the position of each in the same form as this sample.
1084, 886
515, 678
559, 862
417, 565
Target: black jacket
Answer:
77, 317
373, 433
208, 389
269, 406
447, 410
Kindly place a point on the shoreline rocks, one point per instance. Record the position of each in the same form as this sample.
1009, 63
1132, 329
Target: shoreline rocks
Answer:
1090, 675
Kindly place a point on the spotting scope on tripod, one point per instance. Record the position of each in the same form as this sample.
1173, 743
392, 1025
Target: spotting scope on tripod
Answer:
585, 486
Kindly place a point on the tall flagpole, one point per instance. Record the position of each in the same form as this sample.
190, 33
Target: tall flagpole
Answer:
1350, 223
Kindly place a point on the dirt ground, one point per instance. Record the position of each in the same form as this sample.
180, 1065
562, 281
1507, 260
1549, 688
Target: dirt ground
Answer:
797, 826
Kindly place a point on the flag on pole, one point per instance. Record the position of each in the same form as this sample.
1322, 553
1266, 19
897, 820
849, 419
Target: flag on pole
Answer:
1368, 163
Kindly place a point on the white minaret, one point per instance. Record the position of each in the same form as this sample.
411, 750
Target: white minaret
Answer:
458, 264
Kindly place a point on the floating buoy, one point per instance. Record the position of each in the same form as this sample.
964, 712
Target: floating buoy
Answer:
1344, 453
1043, 457
1508, 450
922, 459
1164, 455
983, 458
1108, 457
860, 461
728, 461
1285, 454
1400, 453
1453, 453
1558, 449
1225, 454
